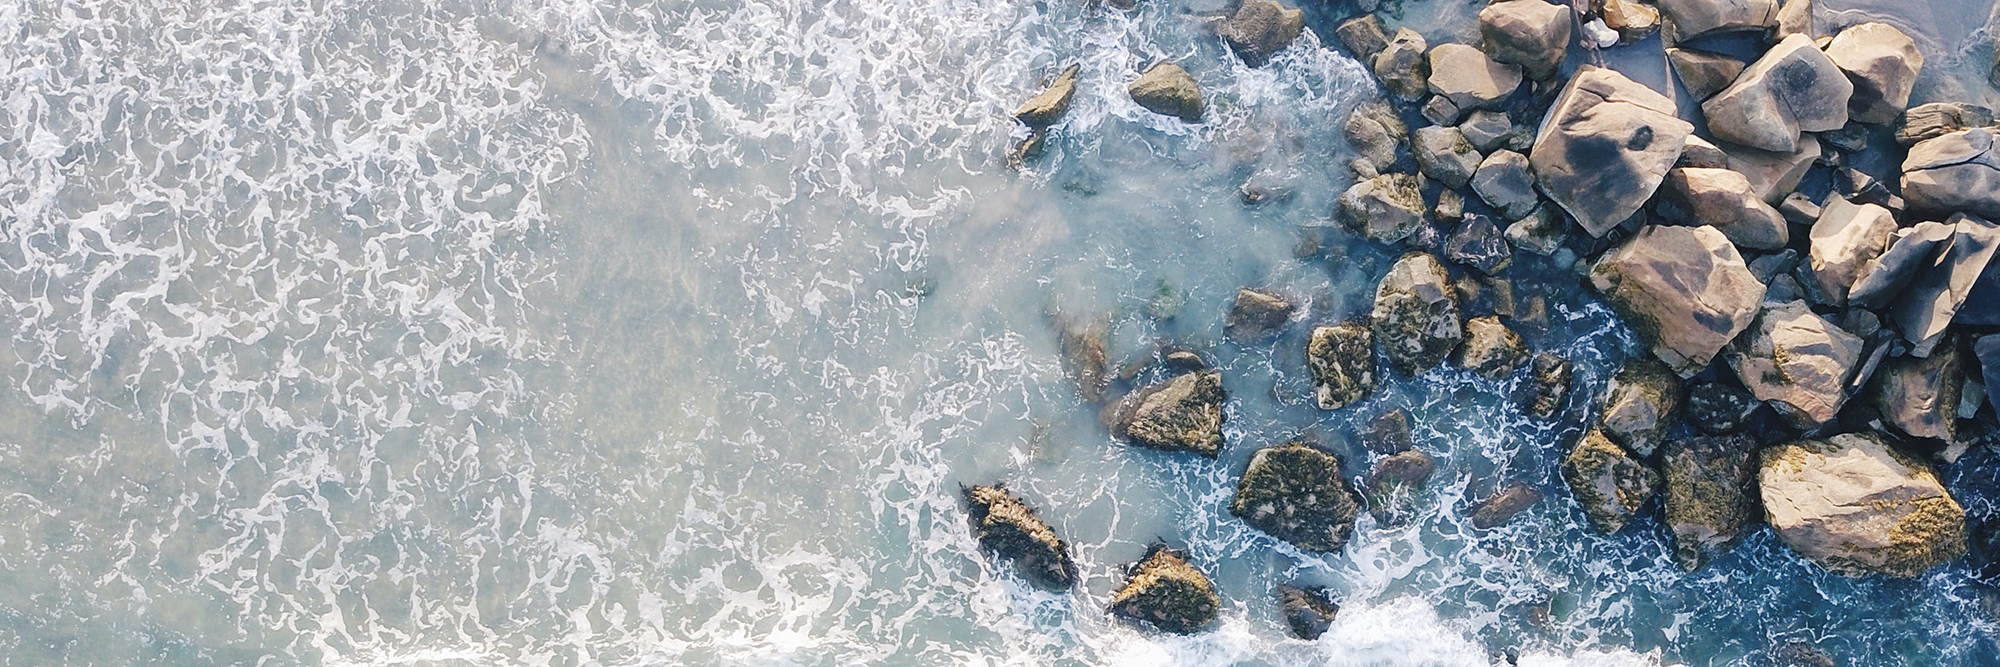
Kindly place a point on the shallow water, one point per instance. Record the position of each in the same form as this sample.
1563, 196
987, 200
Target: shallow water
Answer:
578, 333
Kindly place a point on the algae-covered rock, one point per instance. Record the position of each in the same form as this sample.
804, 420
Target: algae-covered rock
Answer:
1297, 494
1393, 484
1342, 362
1165, 590
1009, 528
1491, 349
1542, 393
1711, 495
1416, 316
1610, 484
1309, 610
1857, 507
1640, 405
1181, 414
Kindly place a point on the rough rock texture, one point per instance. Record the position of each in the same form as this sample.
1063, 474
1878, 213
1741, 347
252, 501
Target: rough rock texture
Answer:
1632, 20
1387, 433
1795, 17
1640, 405
1260, 29
1542, 232
1445, 155
1793, 88
1402, 68
1683, 289
1385, 208
1487, 129
1363, 36
1725, 200
1710, 495
1440, 110
1609, 484
1930, 121
1935, 293
1181, 414
1469, 79
1009, 528
1392, 486
1716, 408
1919, 396
1342, 362
1166, 591
1688, 19
1085, 358
1953, 173
1168, 90
1502, 507
1857, 507
1605, 146
1704, 73
1774, 175
1541, 394
1257, 314
1049, 106
1884, 277
1987, 350
1477, 243
1844, 238
1491, 349
1797, 362
1374, 130
1296, 494
1882, 62
1698, 152
1529, 33
1506, 182
1416, 314
1309, 611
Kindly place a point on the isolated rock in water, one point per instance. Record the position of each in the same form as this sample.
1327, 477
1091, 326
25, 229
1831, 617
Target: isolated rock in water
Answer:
1308, 611
1605, 146
1257, 314
1543, 392
1704, 73
1402, 67
1181, 414
1772, 175
1168, 90
1633, 20
1882, 62
1844, 239
1957, 172
1444, 154
1296, 493
1610, 484
1640, 405
1477, 244
1491, 349
1725, 200
1506, 182
1857, 507
1717, 409
1919, 396
1711, 495
1934, 295
1388, 433
1048, 107
1393, 484
1487, 130
1385, 208
1260, 29
1794, 88
1502, 507
1529, 33
1342, 362
1915, 248
1797, 362
1416, 314
1688, 19
1166, 591
1085, 358
1009, 528
1930, 121
1683, 289
1363, 36
1374, 130
1542, 232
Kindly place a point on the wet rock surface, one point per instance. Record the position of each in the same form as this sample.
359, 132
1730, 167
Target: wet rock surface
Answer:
1260, 29
1385, 209
1491, 349
1416, 318
1342, 362
1710, 495
1163, 589
1503, 506
1393, 484
1444, 154
1297, 494
1609, 484
1505, 181
1257, 314
1168, 90
1717, 408
1477, 244
1309, 611
1641, 403
1180, 414
1856, 506
1546, 388
1009, 528
1046, 108
1387, 433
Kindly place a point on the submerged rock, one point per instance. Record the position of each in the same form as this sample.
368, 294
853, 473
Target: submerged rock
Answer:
1610, 484
1793, 88
1530, 33
1260, 29
1796, 361
1469, 79
1009, 528
1388, 433
1718, 409
1444, 154
1166, 591
1704, 73
1919, 396
1711, 495
1181, 414
1491, 349
1342, 362
1416, 316
1393, 484
1542, 393
1085, 358
1385, 209
1168, 90
1956, 172
1688, 19
1640, 404
1502, 507
1882, 62
1605, 146
1857, 507
1256, 314
1724, 199
1309, 611
1683, 289
1297, 494
1401, 66
1844, 238
1477, 244
1046, 108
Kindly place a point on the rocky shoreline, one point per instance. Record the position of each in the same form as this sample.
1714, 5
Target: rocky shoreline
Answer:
1818, 338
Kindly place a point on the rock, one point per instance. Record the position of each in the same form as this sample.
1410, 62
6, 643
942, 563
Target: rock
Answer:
1610, 484
1181, 414
1308, 611
1910, 249
1542, 232
1850, 138
1385, 208
1444, 154
1725, 200
1596, 33
1857, 507
1256, 314
1844, 238
1185, 361
1009, 528
1491, 349
1929, 121
1505, 181
1401, 66
1919, 396
1771, 266
1029, 148
1440, 110
1342, 362
1416, 314
1982, 302
1393, 484
1987, 350
1710, 495
1374, 130
1957, 172
1486, 129
1797, 362
1784, 289
1716, 408
1935, 294
1774, 175
1529, 33
1388, 433
1634, 21
1799, 209
1605, 146
1502, 507
1640, 404
1168, 90
1260, 29
1882, 62
1296, 494
1166, 591
1704, 73
1450, 207
1085, 358
1542, 393
1469, 79
1477, 244
1688, 19
1049, 106
1698, 152
1683, 289
1363, 36
1795, 17
1793, 88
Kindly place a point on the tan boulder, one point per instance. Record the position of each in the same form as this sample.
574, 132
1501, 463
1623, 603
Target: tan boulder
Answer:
1857, 507
1685, 290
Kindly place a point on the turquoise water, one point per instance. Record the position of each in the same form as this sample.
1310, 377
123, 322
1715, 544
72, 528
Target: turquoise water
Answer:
571, 333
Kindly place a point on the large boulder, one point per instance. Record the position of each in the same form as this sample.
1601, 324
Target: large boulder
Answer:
1936, 292
1796, 361
1774, 175
1936, 119
1168, 90
1882, 62
1546, 388
1342, 362
1724, 199
1260, 29
1858, 507
1844, 238
1631, 19
1385, 208
1444, 154
1165, 590
1506, 182
1640, 404
1711, 495
1954, 173
1401, 66
1704, 73
1181, 414
1297, 494
1469, 79
1374, 130
1685, 290
1530, 33
1609, 484
1688, 19
1416, 315
1502, 507
1605, 146
1888, 274
1257, 314
1392, 486
1046, 108
1491, 349
1794, 88
1009, 528
1309, 611
1919, 396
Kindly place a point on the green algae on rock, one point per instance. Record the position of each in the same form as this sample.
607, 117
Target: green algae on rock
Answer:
1009, 528
1166, 591
1297, 494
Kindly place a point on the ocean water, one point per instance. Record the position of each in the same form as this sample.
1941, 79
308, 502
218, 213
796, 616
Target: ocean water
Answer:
663, 333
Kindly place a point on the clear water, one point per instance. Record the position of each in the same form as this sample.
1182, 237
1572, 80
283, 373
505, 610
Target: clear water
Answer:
573, 333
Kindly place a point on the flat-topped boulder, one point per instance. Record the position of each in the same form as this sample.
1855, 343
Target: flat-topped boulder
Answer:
1009, 529
1047, 107
1883, 63
1688, 19
1342, 362
1724, 199
1444, 154
1469, 79
1384, 209
1163, 589
1958, 172
1844, 238
1793, 88
1260, 29
1797, 362
1711, 495
1168, 90
1180, 414
1685, 290
1609, 484
1297, 494
1530, 33
1919, 396
1857, 507
1640, 405
1605, 146
1416, 316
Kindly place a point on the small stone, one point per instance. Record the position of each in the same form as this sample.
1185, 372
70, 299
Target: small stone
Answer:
1850, 138
1402, 67
1450, 207
1440, 110
1296, 494
1882, 62
1543, 392
1165, 590
1260, 29
1416, 316
1771, 266
1185, 361
1256, 314
1469, 78
1049, 106
1168, 90
1308, 611
1491, 350
1478, 244
1502, 507
1486, 129
1799, 209
1793, 88
1385, 209
1009, 528
1363, 36
1610, 484
1181, 414
1795, 17
1444, 154
1719, 409
1529, 33
1704, 73
1342, 362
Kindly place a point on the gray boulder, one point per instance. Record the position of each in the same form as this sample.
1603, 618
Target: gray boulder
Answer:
1342, 362
1710, 496
1444, 154
1685, 290
1168, 90
1910, 249
1844, 239
1954, 173
1165, 590
1935, 293
1793, 88
1640, 405
1505, 181
1401, 66
1609, 484
1542, 393
1704, 73
1724, 199
1180, 414
1883, 63
1046, 108
1477, 243
1296, 494
1385, 208
1919, 396
1930, 121
1374, 130
1009, 529
1857, 507
1688, 19
1530, 33
1260, 29
1256, 314
1491, 349
1416, 316
1605, 146
1797, 362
